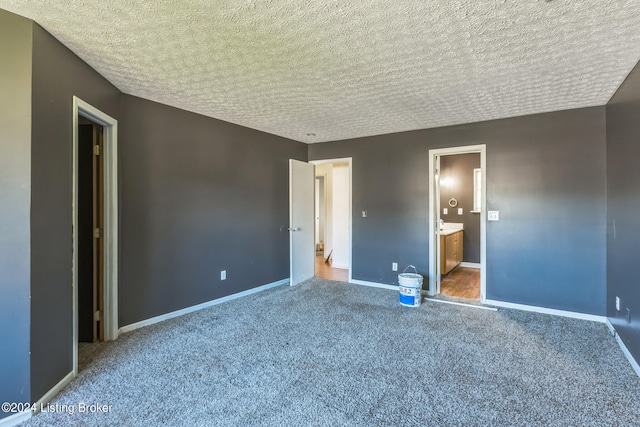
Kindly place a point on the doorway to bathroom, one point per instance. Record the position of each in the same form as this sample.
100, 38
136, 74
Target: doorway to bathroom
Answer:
457, 218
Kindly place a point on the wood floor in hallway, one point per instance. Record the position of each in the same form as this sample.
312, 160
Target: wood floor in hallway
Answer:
463, 282
327, 272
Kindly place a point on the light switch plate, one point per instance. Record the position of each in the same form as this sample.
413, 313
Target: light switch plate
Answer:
364, 214
223, 275
445, 211
459, 211
493, 216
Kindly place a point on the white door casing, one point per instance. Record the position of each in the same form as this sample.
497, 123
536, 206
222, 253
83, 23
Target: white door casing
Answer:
329, 231
110, 126
436, 191
301, 221
434, 215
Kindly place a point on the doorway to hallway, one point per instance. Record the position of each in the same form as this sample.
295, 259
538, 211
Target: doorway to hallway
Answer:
333, 219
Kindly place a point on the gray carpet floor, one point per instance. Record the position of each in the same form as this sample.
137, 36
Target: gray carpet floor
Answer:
333, 354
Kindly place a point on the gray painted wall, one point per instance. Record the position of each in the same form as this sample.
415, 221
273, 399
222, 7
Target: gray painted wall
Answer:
623, 202
198, 196
58, 75
202, 195
546, 176
15, 185
459, 169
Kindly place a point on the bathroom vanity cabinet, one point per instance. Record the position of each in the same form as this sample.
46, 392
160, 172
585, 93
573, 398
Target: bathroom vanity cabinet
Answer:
450, 250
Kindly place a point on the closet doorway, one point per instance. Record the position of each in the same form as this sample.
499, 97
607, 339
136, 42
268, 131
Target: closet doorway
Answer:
94, 225
90, 229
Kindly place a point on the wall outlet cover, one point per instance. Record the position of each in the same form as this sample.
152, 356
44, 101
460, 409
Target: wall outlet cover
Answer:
364, 214
459, 211
394, 266
223, 275
493, 216
445, 211
617, 303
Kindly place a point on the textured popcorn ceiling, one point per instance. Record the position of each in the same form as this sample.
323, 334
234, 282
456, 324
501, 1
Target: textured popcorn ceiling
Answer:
347, 68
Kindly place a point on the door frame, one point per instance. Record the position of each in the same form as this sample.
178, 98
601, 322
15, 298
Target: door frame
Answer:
110, 159
434, 214
349, 161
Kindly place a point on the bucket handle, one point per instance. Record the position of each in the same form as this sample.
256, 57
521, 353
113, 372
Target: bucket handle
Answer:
410, 266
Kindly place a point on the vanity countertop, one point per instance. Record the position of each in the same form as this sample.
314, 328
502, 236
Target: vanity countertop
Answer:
449, 228
449, 231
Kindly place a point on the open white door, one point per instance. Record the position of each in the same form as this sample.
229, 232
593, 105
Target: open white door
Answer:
301, 221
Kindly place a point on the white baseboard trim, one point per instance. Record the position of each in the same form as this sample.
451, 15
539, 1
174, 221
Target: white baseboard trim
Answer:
470, 264
151, 321
563, 313
340, 266
15, 419
482, 307
55, 390
625, 350
374, 284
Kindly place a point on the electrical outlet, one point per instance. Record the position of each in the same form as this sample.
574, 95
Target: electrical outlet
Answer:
394, 266
617, 303
459, 211
223, 275
628, 316
364, 214
445, 211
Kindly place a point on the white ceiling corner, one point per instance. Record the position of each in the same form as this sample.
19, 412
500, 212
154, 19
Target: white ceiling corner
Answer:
350, 68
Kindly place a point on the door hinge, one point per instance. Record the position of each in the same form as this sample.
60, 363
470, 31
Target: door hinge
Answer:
97, 316
98, 233
97, 150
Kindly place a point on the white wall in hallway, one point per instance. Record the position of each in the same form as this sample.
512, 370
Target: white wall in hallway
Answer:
326, 170
340, 214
